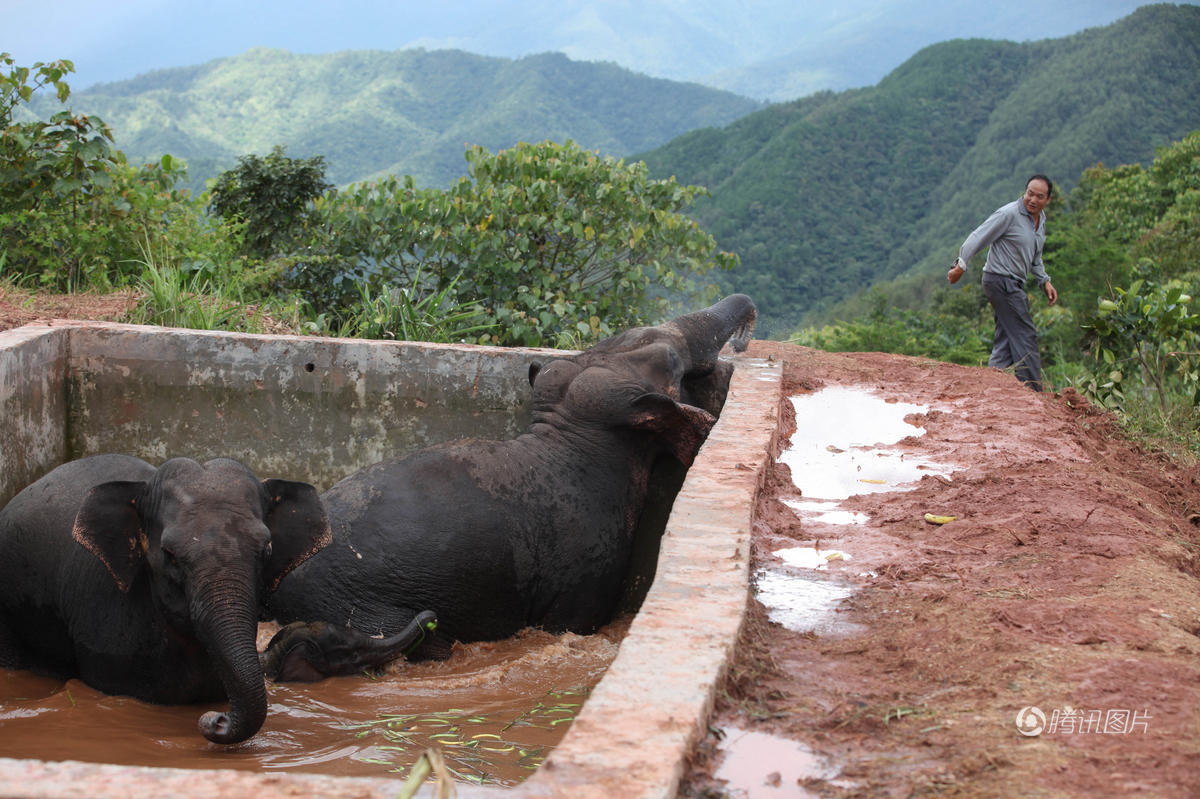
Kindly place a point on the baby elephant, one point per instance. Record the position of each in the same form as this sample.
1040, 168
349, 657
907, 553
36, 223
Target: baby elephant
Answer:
149, 582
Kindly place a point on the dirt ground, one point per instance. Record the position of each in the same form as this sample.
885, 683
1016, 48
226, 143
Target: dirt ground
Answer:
19, 307
1069, 582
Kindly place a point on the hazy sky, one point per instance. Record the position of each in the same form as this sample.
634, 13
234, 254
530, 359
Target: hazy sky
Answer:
123, 38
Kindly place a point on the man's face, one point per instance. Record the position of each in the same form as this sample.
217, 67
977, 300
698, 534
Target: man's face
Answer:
1037, 194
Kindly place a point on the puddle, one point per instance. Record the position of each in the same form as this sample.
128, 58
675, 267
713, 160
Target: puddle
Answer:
825, 512
839, 449
802, 603
834, 453
757, 765
811, 557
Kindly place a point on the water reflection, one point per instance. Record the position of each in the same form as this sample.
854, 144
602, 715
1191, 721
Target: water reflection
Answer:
757, 765
802, 603
832, 454
838, 450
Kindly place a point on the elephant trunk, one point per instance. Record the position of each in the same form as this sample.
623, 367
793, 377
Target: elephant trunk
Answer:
226, 620
706, 331
309, 651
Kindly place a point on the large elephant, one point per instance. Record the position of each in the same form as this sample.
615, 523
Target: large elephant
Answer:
150, 582
534, 531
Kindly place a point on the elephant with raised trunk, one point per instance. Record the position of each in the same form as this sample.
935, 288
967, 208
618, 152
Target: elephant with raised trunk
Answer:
149, 582
495, 536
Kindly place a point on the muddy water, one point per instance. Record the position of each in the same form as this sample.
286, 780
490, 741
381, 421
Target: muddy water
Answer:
494, 709
757, 765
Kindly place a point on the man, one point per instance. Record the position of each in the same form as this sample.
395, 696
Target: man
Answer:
1016, 234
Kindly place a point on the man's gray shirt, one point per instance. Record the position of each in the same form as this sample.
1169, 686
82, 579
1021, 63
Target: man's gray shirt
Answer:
1016, 246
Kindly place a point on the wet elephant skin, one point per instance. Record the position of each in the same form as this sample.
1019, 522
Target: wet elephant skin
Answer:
148, 582
495, 536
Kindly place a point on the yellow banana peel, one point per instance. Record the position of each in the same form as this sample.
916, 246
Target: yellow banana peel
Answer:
932, 519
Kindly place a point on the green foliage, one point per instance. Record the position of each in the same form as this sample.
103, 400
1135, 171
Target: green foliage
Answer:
1151, 212
409, 315
952, 329
173, 297
271, 196
49, 169
73, 213
833, 193
1147, 338
553, 242
16, 88
541, 244
1114, 218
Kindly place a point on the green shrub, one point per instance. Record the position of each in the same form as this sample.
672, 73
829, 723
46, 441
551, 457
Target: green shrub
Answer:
1145, 343
555, 244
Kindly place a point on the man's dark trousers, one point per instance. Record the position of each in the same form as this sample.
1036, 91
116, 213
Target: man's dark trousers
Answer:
1016, 339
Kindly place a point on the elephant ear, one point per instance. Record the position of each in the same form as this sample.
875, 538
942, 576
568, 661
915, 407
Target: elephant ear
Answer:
682, 427
108, 525
298, 524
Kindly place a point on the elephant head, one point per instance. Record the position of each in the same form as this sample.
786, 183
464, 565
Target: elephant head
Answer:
680, 357
210, 540
602, 397
676, 361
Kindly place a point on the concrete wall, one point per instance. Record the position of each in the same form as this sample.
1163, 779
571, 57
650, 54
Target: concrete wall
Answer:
299, 407
33, 405
330, 406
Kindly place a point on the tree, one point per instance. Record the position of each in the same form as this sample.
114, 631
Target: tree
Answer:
1138, 212
1146, 336
556, 244
271, 195
73, 212
951, 329
50, 171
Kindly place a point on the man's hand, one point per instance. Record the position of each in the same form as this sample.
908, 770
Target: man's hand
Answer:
1051, 292
955, 272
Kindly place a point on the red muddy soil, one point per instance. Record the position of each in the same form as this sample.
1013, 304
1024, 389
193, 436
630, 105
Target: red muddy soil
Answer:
1069, 582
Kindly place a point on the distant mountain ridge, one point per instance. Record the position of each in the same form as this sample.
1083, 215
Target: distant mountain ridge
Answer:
829, 195
775, 50
822, 197
408, 112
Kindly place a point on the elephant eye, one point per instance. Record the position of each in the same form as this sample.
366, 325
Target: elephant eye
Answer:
170, 558
267, 550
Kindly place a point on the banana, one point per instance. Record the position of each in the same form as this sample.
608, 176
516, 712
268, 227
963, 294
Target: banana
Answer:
932, 519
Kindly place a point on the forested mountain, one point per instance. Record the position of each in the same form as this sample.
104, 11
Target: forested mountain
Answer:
408, 112
827, 195
766, 49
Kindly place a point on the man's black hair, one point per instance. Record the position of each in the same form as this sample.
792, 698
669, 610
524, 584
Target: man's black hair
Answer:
1049, 184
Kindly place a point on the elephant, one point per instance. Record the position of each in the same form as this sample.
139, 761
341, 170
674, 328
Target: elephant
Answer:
537, 530
311, 651
149, 582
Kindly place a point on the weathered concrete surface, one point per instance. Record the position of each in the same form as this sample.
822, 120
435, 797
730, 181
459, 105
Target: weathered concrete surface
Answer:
33, 405
630, 738
302, 407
